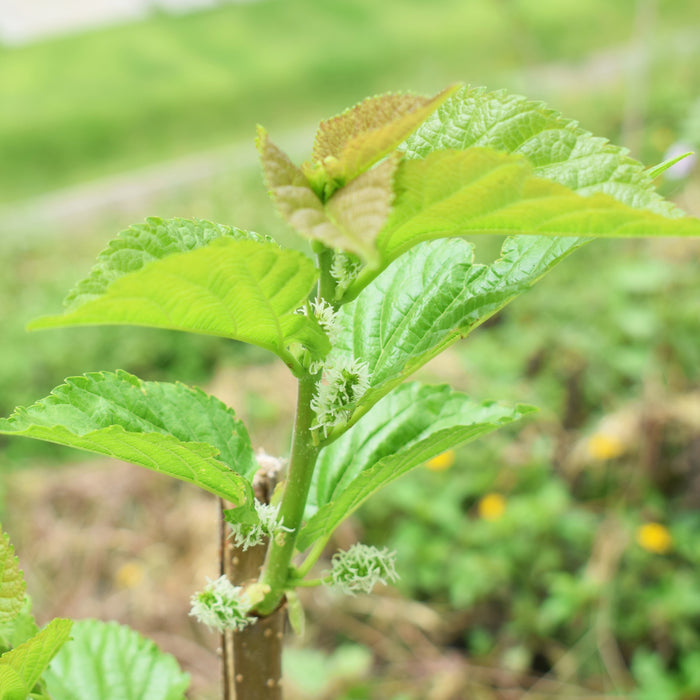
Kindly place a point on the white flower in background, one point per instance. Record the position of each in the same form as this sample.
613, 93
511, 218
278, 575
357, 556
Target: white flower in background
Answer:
361, 567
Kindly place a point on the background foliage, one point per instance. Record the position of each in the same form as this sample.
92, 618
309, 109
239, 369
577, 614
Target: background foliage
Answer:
530, 545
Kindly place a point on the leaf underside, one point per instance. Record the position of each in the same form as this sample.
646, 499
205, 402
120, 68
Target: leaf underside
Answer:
107, 661
169, 428
242, 289
405, 429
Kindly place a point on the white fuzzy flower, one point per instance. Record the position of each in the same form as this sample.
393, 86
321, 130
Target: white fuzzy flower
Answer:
326, 316
361, 567
342, 385
344, 271
222, 606
246, 536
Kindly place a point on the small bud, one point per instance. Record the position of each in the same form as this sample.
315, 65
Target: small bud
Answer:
361, 567
222, 606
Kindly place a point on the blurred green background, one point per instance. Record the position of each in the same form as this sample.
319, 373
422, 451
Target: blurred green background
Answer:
527, 561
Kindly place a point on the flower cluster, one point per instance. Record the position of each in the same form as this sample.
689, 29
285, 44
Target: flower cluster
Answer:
344, 270
246, 535
361, 567
222, 606
343, 383
325, 314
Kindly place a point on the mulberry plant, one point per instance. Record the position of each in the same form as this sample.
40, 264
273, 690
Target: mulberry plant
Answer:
391, 187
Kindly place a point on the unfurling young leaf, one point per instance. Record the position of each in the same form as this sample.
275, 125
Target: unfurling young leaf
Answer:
350, 219
350, 143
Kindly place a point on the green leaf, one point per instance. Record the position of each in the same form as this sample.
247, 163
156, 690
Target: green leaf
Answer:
29, 660
558, 148
12, 687
247, 290
350, 143
431, 297
661, 168
482, 191
169, 428
12, 585
145, 243
18, 630
107, 661
408, 427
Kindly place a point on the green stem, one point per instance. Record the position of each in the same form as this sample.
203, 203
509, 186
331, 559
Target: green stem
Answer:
312, 557
326, 283
309, 582
301, 467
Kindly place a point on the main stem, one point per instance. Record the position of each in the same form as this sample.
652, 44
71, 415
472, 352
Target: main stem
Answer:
301, 467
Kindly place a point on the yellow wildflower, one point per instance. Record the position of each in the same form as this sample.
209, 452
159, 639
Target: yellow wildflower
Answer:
491, 506
441, 462
129, 575
602, 446
654, 537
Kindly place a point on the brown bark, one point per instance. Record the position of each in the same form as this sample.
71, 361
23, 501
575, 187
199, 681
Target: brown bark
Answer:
252, 658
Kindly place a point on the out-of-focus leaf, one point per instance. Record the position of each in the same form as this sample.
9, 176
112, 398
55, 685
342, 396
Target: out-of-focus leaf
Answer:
12, 585
107, 661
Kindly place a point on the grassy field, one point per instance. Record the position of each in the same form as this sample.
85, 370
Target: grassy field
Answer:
556, 595
78, 107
